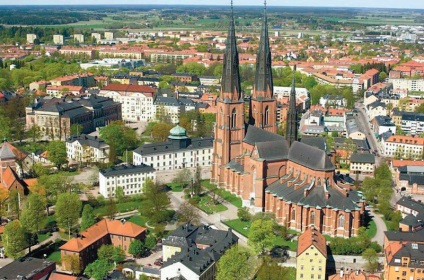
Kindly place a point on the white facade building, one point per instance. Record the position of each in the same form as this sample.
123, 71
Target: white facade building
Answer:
179, 152
31, 38
137, 101
336, 101
408, 84
86, 149
404, 147
376, 109
412, 123
172, 107
79, 38
58, 39
130, 178
96, 36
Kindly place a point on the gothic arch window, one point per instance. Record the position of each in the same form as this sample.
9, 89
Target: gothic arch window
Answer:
312, 221
266, 117
233, 118
254, 180
221, 115
341, 221
293, 214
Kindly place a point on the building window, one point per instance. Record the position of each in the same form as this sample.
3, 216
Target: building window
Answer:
341, 221
312, 221
293, 214
266, 117
233, 118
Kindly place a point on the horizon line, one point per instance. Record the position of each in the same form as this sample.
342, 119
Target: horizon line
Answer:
199, 4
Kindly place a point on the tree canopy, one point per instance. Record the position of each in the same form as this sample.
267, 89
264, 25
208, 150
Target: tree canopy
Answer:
14, 239
261, 235
56, 153
119, 136
155, 203
67, 210
235, 264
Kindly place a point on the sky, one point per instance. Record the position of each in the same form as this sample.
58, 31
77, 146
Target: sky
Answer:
410, 4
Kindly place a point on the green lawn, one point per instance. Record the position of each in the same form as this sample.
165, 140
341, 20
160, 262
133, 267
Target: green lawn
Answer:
42, 237
55, 256
371, 229
138, 220
226, 195
175, 187
207, 205
120, 207
243, 228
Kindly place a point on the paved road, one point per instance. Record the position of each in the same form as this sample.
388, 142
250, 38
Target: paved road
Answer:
177, 198
381, 227
364, 126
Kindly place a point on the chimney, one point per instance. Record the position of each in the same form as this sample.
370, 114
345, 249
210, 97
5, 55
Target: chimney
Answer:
341, 273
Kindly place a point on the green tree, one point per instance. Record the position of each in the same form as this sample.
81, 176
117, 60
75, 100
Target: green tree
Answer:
371, 256
120, 194
271, 270
34, 133
160, 131
14, 239
155, 203
119, 136
88, 218
33, 213
243, 214
183, 177
110, 208
235, 264
261, 235
187, 213
136, 248
150, 242
382, 77
67, 211
192, 68
76, 129
56, 153
98, 269
111, 254
420, 109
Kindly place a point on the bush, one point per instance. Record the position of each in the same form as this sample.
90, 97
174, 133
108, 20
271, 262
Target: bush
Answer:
243, 214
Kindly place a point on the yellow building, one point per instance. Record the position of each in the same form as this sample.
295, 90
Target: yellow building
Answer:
311, 255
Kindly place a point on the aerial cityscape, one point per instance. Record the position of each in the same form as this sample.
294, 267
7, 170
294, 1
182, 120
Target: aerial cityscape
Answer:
186, 140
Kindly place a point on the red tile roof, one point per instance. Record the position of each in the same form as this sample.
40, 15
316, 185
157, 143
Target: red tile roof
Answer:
99, 230
311, 237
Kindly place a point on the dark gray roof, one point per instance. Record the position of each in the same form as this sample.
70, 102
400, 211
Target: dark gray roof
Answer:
88, 140
362, 158
414, 251
394, 235
166, 101
316, 197
255, 135
384, 121
126, 169
310, 157
26, 267
406, 116
273, 150
188, 237
170, 146
413, 221
376, 104
412, 178
236, 166
315, 141
360, 144
6, 152
411, 204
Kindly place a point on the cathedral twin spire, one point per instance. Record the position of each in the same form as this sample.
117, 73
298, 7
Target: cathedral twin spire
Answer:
263, 85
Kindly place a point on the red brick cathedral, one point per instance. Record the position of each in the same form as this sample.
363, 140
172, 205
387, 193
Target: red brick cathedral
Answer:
294, 180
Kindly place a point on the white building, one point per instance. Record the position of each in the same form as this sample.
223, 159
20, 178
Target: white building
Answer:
336, 101
302, 95
403, 147
58, 39
408, 84
87, 149
376, 109
79, 38
130, 178
412, 123
137, 101
31, 38
362, 164
314, 118
172, 107
109, 35
96, 36
179, 152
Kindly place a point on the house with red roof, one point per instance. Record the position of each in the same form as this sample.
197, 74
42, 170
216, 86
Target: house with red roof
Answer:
86, 244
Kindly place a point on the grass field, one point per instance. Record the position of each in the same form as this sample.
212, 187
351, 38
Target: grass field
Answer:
206, 204
120, 207
175, 187
42, 237
226, 195
141, 221
244, 227
371, 229
55, 256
